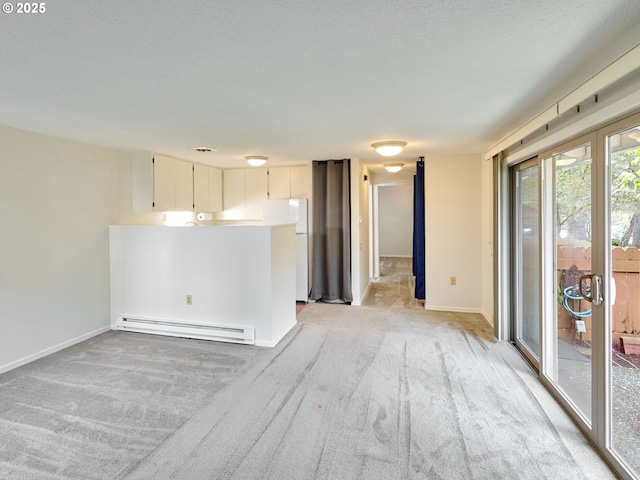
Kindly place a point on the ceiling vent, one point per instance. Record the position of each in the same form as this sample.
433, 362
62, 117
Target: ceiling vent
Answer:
203, 149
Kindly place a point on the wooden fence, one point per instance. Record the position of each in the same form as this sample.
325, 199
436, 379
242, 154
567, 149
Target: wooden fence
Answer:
626, 276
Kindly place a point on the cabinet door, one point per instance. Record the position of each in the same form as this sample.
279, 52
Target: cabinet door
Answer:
172, 184
257, 185
207, 188
234, 194
300, 181
184, 185
142, 181
164, 186
279, 183
215, 189
200, 188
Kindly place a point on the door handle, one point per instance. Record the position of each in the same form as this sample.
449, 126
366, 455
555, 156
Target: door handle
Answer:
595, 296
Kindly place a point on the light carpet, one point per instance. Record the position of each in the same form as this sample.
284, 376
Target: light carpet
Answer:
350, 393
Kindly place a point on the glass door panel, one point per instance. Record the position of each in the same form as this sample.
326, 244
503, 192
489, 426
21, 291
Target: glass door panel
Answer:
527, 260
572, 251
576, 238
623, 152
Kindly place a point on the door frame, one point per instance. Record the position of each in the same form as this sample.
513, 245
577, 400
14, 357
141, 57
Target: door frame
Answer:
599, 431
603, 434
548, 297
516, 242
374, 226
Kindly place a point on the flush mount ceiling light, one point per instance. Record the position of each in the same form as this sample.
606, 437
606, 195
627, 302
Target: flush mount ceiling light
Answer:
390, 148
256, 160
393, 167
203, 149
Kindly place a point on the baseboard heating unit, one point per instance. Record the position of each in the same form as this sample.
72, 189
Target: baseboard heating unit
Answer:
201, 331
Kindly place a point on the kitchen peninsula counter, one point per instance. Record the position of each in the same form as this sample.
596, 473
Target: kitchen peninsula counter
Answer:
235, 276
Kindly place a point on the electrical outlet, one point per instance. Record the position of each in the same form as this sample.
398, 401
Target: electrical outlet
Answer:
189, 300
452, 280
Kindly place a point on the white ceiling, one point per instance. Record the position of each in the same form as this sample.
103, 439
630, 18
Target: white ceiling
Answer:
300, 80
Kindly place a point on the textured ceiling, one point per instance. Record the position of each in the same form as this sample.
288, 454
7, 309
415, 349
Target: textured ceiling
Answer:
300, 80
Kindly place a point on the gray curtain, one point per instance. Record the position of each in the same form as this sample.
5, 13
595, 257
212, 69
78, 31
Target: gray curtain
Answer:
331, 242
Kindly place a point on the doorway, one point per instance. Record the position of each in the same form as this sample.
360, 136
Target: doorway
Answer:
392, 221
391, 248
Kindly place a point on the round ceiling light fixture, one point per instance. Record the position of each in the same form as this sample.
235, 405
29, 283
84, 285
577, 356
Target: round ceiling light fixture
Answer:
256, 160
393, 167
389, 148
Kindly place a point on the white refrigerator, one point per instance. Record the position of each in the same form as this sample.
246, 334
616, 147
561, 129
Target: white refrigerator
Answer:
293, 210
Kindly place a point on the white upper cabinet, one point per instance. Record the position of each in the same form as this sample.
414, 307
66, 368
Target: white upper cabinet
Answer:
234, 192
300, 182
257, 192
244, 191
200, 188
279, 183
142, 181
165, 184
183, 172
289, 182
207, 188
215, 189
161, 183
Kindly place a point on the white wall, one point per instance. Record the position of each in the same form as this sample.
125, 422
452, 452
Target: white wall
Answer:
56, 199
359, 231
453, 233
395, 220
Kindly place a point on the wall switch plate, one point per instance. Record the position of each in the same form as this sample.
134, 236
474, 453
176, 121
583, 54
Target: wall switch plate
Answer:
189, 300
452, 280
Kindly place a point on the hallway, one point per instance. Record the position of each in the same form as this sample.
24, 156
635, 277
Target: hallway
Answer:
394, 288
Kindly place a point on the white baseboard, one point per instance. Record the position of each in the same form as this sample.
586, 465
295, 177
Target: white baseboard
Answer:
358, 302
271, 344
54, 349
487, 317
438, 308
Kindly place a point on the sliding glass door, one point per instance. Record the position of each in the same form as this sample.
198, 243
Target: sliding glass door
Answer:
569, 229
576, 281
526, 238
622, 152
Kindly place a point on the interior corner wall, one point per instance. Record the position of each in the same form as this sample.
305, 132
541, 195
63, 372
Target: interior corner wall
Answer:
57, 198
365, 255
453, 229
487, 239
359, 231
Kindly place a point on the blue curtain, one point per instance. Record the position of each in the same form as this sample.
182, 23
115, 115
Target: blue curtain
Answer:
418, 228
